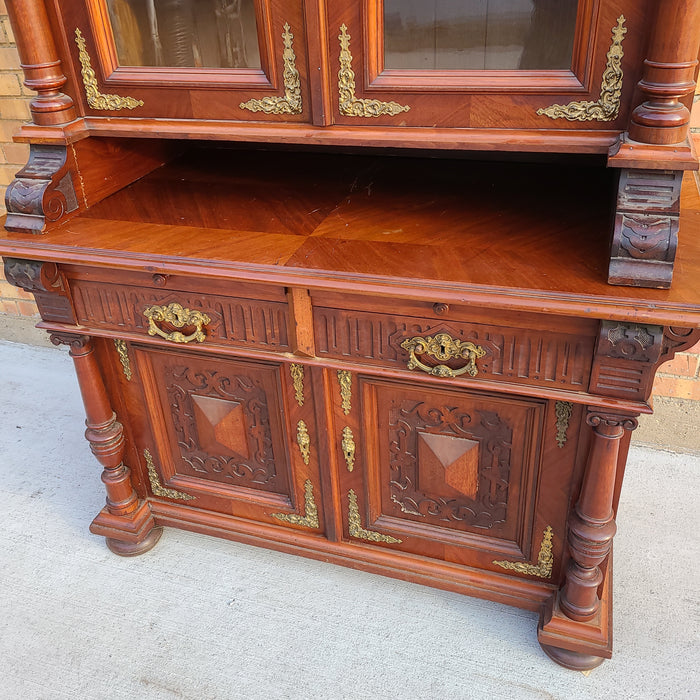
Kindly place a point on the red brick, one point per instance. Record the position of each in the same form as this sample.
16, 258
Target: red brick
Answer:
677, 388
16, 152
9, 58
27, 308
8, 306
8, 128
682, 365
15, 108
10, 84
8, 30
7, 174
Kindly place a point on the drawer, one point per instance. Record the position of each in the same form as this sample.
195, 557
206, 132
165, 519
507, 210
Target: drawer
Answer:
229, 313
529, 349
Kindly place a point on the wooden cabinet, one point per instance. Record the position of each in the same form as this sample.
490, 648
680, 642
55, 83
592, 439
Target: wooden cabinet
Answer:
409, 361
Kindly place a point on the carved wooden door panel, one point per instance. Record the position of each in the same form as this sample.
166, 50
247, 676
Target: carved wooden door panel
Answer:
452, 474
233, 436
513, 64
190, 59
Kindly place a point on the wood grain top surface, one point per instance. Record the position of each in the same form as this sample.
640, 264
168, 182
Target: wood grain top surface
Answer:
520, 235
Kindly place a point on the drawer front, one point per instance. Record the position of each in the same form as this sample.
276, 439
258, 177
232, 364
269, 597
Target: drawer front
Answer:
540, 357
244, 321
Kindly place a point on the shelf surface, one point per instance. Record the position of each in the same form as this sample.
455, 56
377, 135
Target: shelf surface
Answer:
510, 235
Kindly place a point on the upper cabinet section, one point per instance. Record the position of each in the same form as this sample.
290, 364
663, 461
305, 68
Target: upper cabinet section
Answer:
190, 59
479, 64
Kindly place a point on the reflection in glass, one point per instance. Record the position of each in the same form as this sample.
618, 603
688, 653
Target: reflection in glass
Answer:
479, 34
185, 33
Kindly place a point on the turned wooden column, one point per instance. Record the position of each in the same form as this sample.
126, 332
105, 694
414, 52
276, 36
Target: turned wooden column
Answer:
592, 522
127, 522
40, 62
669, 74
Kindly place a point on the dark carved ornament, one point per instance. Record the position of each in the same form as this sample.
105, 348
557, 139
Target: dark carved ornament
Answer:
409, 422
42, 191
630, 341
33, 275
646, 228
597, 419
74, 340
248, 458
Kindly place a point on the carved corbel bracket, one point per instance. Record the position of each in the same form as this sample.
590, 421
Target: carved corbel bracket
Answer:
628, 355
45, 282
42, 192
645, 233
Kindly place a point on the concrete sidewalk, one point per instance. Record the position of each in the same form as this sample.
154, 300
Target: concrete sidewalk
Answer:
203, 618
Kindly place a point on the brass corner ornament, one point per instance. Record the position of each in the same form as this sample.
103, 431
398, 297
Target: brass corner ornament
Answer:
443, 347
562, 411
349, 104
179, 317
545, 559
158, 488
345, 381
355, 524
95, 98
290, 102
606, 108
297, 372
311, 517
123, 353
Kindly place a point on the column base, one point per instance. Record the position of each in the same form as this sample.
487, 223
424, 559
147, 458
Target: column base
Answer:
579, 646
128, 535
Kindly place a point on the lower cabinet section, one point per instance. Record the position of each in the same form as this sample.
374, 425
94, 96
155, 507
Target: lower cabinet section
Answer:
454, 475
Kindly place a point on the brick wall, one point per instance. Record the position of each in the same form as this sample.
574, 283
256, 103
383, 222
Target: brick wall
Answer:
679, 378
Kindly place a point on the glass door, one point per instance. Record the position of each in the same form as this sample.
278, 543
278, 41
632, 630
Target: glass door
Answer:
197, 59
481, 63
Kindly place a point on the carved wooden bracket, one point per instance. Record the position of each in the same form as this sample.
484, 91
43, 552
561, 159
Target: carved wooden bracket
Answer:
46, 283
628, 355
42, 192
646, 228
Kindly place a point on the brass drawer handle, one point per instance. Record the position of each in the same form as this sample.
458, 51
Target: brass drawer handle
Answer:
177, 316
443, 346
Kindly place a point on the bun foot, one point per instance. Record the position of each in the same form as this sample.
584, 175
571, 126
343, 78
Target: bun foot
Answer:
572, 659
132, 549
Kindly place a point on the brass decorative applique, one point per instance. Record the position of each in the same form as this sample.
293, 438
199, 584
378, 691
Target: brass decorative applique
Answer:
123, 357
443, 347
290, 102
297, 372
355, 524
304, 441
545, 560
348, 445
606, 108
177, 316
345, 381
311, 517
349, 104
157, 488
95, 98
563, 411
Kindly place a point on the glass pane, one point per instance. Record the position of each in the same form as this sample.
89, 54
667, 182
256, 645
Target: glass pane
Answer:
185, 33
479, 34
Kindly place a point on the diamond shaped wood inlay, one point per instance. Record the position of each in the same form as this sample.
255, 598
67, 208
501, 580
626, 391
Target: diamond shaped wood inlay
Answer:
448, 466
221, 426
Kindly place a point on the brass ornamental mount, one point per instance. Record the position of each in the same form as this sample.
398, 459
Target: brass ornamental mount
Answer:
290, 102
179, 317
443, 347
310, 519
349, 104
297, 372
348, 446
545, 559
607, 107
95, 98
355, 524
562, 411
123, 353
304, 441
345, 381
156, 487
